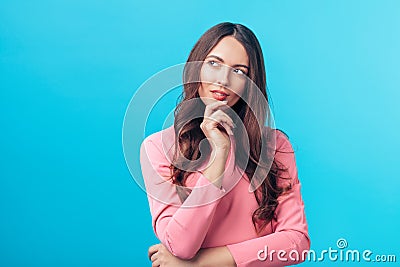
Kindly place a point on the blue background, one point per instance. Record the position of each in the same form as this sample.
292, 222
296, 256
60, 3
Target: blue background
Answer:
68, 70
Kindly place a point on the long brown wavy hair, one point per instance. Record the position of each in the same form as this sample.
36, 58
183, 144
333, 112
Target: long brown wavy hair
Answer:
190, 138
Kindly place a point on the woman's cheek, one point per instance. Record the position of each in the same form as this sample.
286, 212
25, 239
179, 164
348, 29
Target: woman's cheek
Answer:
207, 76
238, 88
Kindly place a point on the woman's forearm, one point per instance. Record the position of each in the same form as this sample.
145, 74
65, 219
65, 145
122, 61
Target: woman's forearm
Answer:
212, 257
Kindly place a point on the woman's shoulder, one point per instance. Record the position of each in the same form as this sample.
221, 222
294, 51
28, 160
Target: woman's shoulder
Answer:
286, 156
160, 136
163, 140
282, 142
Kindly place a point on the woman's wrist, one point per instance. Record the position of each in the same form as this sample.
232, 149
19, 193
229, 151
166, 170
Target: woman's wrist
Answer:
216, 168
221, 152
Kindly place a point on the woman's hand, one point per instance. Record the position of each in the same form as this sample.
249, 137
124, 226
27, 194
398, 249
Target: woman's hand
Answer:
214, 118
161, 257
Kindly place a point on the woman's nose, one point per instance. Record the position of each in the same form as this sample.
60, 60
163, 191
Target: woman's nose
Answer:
223, 76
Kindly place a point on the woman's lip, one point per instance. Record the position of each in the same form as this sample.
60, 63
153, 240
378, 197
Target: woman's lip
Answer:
219, 97
218, 91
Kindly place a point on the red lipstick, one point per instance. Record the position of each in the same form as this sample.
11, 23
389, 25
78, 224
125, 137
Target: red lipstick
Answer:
219, 95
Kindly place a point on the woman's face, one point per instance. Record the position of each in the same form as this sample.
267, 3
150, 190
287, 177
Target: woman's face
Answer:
224, 72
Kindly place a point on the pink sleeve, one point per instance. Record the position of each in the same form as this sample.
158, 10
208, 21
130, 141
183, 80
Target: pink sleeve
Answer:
181, 227
290, 237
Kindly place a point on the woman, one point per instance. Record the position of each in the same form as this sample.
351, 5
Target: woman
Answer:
198, 171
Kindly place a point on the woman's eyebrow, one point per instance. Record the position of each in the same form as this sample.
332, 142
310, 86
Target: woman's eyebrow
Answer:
220, 59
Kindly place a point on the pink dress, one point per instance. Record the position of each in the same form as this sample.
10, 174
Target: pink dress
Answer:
213, 217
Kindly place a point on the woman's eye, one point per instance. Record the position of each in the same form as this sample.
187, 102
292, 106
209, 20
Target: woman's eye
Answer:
213, 63
238, 71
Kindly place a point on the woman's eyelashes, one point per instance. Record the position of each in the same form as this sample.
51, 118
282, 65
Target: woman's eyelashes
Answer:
215, 64
239, 71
